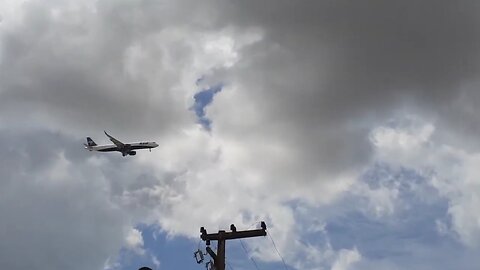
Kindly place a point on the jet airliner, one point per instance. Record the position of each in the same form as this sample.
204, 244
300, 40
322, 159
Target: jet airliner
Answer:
124, 148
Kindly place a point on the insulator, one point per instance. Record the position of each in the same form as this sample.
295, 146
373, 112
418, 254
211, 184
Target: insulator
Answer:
263, 225
198, 256
210, 266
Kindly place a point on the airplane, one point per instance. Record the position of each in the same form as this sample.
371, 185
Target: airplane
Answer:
124, 148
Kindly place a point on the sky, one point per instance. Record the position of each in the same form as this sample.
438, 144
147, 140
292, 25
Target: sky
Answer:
349, 127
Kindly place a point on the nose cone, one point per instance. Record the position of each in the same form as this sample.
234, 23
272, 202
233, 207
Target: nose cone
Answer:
155, 144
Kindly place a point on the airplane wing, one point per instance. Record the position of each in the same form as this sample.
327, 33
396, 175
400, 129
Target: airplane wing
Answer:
115, 141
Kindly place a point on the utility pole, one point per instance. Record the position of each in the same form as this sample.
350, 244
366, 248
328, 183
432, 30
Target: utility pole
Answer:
222, 236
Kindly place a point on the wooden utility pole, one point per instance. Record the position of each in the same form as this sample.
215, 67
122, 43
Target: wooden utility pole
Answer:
222, 236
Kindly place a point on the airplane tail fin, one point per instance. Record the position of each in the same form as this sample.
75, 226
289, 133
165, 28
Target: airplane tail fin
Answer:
90, 142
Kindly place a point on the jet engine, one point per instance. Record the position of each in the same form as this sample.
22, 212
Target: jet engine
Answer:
132, 153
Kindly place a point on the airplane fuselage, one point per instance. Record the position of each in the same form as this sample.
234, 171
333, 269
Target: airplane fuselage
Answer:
128, 148
124, 148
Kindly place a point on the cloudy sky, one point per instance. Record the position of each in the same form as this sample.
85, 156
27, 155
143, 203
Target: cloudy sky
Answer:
350, 127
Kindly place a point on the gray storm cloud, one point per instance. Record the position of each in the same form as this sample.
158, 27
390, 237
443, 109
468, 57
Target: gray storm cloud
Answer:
326, 73
49, 221
69, 64
325, 63
300, 100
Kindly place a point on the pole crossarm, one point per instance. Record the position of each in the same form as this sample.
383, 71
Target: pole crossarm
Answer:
233, 235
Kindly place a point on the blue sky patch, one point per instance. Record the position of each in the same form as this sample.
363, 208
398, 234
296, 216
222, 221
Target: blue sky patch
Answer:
202, 100
172, 253
407, 238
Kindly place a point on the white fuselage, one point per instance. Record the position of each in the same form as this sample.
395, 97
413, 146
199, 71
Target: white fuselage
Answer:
124, 148
131, 146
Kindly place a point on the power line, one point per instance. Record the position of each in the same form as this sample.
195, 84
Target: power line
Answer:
275, 246
228, 264
246, 253
253, 224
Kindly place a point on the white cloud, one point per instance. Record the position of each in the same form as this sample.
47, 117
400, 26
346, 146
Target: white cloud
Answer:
404, 143
155, 261
346, 258
452, 171
382, 200
134, 241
